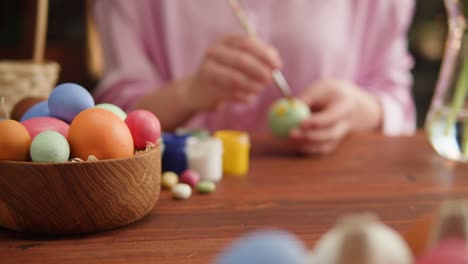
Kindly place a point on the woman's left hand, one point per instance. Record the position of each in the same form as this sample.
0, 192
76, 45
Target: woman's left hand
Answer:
338, 107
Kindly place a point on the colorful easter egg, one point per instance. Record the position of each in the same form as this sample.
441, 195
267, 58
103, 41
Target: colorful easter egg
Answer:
49, 146
67, 100
14, 141
38, 110
100, 133
114, 109
37, 125
145, 128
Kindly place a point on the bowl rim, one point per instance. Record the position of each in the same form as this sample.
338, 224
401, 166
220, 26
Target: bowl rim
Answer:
31, 163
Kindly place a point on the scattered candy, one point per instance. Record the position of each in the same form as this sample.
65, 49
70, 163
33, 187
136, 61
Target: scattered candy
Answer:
145, 128
68, 99
114, 109
50, 146
38, 110
181, 191
190, 177
169, 179
266, 246
285, 115
37, 125
206, 187
14, 141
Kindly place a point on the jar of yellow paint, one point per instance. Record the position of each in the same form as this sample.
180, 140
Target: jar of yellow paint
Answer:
236, 146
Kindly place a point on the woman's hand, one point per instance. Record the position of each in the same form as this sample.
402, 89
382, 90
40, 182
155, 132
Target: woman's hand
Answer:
234, 69
338, 108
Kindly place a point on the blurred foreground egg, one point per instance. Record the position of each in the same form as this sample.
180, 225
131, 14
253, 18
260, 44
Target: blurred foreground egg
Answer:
14, 141
285, 115
67, 100
50, 146
100, 133
37, 125
38, 110
363, 239
267, 246
450, 251
114, 109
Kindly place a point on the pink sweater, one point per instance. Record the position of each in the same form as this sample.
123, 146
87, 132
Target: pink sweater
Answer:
148, 43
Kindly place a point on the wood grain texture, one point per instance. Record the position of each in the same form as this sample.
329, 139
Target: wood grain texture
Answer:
80, 197
400, 179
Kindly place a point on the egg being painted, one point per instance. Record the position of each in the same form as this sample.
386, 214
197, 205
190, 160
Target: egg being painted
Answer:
285, 115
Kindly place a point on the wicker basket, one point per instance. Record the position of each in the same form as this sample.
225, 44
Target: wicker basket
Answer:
20, 79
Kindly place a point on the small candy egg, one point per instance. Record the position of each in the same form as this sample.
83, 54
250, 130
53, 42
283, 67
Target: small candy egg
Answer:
14, 141
206, 187
100, 133
67, 100
181, 191
365, 240
449, 251
23, 106
36, 125
266, 246
285, 115
114, 109
50, 146
169, 179
190, 177
145, 128
38, 110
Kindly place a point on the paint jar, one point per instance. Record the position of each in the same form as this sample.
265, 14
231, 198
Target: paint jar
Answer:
236, 148
174, 158
205, 155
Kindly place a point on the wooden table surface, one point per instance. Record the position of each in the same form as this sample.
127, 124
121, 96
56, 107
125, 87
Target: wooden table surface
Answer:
401, 179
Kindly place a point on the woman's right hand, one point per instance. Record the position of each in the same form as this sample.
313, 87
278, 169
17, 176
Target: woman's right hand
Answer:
234, 69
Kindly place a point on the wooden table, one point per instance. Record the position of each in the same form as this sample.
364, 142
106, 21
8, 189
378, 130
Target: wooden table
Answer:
400, 179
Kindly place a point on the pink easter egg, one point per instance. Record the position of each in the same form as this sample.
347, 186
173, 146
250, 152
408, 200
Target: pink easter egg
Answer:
190, 177
144, 126
453, 251
37, 125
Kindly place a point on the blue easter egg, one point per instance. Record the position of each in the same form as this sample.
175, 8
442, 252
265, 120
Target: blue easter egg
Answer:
38, 110
267, 246
68, 99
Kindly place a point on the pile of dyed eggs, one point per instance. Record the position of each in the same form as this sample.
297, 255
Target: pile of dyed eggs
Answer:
68, 125
361, 238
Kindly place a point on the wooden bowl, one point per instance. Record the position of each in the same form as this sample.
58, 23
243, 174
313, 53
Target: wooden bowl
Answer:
78, 197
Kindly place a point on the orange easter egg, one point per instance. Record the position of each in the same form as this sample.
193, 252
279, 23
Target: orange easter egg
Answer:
100, 133
418, 235
14, 141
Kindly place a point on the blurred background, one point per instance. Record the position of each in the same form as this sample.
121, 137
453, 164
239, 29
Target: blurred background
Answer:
73, 43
